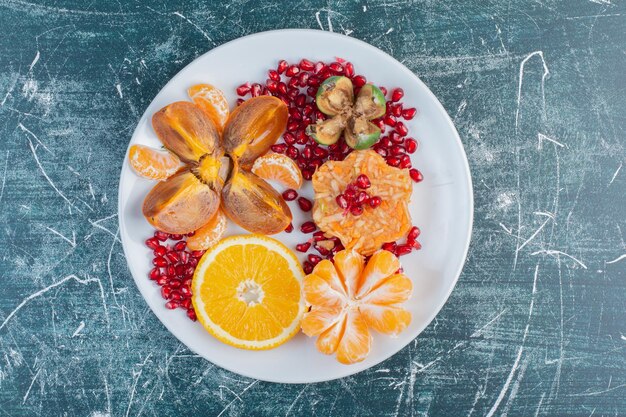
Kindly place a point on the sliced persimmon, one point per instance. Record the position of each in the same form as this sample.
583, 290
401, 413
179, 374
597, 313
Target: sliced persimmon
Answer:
181, 204
208, 235
153, 163
254, 127
212, 102
254, 205
185, 130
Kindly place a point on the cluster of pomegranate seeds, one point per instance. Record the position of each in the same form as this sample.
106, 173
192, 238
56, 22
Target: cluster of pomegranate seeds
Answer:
297, 84
354, 197
411, 244
173, 269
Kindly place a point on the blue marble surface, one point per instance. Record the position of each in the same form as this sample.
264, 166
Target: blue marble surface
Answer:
536, 325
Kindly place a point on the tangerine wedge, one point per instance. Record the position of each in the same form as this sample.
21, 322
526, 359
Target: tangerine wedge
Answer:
152, 163
280, 168
209, 234
212, 102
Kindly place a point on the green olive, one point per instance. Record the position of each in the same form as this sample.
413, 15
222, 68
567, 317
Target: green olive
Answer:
360, 133
370, 102
335, 95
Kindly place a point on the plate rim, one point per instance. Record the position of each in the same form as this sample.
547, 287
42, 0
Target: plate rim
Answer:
466, 170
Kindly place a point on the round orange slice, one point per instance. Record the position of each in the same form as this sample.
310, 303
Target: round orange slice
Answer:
153, 163
209, 234
280, 168
212, 102
247, 292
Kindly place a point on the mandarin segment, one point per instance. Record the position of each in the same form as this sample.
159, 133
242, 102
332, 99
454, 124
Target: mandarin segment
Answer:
328, 342
382, 264
209, 234
212, 102
356, 341
280, 168
388, 320
254, 127
153, 163
319, 320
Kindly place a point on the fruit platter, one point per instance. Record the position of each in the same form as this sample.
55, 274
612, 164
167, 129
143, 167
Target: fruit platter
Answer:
295, 217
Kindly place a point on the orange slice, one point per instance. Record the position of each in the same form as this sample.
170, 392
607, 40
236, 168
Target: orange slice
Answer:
280, 168
209, 234
247, 292
153, 163
349, 297
212, 102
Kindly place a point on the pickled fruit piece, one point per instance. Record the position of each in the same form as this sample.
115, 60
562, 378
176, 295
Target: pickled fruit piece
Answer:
208, 235
280, 168
185, 130
153, 163
370, 102
180, 204
387, 222
361, 134
254, 127
254, 205
328, 131
212, 102
247, 292
349, 297
335, 95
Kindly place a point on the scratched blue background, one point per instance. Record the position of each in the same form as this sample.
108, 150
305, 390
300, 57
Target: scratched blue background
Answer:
536, 325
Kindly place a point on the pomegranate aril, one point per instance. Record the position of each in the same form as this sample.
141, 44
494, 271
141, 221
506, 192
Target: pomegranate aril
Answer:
172, 305
155, 273
173, 257
300, 100
292, 70
336, 67
383, 90
382, 152
390, 246
192, 261
375, 201
305, 204
349, 69
405, 161
359, 81
397, 94
171, 271
303, 247
403, 250
162, 236
282, 88
396, 150
362, 181
243, 89
152, 243
415, 244
394, 137
160, 251
410, 144
306, 65
175, 283
362, 198
303, 79
402, 129
307, 227
197, 253
356, 210
290, 194
396, 110
273, 75
292, 84
192, 314
295, 114
314, 259
159, 261
282, 66
320, 152
289, 138
307, 267
180, 270
292, 152
416, 175
186, 304
413, 234
389, 120
166, 291
349, 194
319, 67
180, 245
292, 126
307, 173
162, 280
408, 114
280, 148
255, 91
289, 228
319, 235
307, 153
394, 161
240, 101
342, 201
322, 251
380, 123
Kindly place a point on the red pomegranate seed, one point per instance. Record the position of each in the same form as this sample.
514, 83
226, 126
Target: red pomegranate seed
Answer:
295, 114
396, 150
306, 65
415, 244
155, 273
303, 79
300, 100
175, 295
362, 181
160, 251
307, 152
292, 83
394, 137
319, 67
292, 152
185, 290
290, 194
359, 81
180, 270
240, 101
410, 144
413, 234
159, 261
402, 129
243, 89
289, 138
307, 267
336, 67
405, 161
176, 237
280, 148
171, 271
282, 88
185, 304
289, 228
342, 201
375, 201
162, 236
383, 90
184, 256
255, 91
319, 235
173, 257
349, 194
362, 198
282, 66
308, 227
416, 175
197, 253
349, 67
303, 247
408, 114
191, 314
175, 283
313, 81
292, 126
390, 120
382, 152
152, 243
292, 70
314, 259
380, 123
307, 173
273, 75
162, 280
396, 110
390, 246
394, 161
166, 292
180, 245
305, 204
403, 250
356, 210
397, 94
172, 305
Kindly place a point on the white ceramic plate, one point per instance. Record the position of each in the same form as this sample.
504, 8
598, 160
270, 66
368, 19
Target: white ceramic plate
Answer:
442, 205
